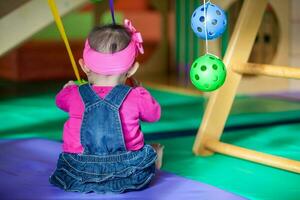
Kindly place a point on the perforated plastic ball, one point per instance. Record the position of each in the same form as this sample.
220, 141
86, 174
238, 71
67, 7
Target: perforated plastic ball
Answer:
208, 73
215, 18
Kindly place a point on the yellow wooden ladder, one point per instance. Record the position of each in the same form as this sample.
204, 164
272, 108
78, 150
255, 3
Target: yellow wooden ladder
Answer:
208, 137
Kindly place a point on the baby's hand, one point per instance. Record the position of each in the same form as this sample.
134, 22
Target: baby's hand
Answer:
69, 84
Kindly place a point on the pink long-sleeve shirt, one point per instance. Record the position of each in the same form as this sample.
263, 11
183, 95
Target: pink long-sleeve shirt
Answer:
138, 105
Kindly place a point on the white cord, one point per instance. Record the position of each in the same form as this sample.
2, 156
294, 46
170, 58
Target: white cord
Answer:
205, 27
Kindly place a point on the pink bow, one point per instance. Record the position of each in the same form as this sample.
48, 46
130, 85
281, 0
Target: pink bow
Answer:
136, 36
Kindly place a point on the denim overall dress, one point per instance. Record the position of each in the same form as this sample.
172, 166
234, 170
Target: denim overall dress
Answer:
105, 165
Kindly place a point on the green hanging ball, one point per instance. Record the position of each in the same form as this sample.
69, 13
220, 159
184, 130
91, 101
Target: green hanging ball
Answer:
208, 73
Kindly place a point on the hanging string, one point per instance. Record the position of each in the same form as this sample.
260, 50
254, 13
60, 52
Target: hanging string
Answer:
111, 6
62, 32
205, 26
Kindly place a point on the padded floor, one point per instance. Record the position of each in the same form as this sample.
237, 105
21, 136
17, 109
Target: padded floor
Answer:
28, 113
27, 164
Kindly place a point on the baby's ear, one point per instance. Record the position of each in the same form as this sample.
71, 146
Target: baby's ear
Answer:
81, 62
133, 69
83, 67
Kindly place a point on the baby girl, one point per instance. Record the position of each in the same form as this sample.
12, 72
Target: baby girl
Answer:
103, 145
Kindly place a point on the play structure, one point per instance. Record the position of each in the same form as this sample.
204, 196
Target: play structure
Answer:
236, 57
245, 120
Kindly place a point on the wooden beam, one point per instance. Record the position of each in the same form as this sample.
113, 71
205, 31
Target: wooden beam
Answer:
268, 70
254, 156
29, 18
238, 51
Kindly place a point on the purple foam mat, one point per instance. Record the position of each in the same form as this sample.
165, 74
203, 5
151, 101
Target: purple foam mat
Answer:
25, 166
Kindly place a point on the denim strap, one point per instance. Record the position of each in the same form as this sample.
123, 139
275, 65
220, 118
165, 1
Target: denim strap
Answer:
117, 95
88, 95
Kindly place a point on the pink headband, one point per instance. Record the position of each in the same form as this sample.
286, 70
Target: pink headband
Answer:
114, 63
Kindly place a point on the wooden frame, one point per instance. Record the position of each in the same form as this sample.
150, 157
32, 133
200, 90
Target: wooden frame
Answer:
208, 137
268, 70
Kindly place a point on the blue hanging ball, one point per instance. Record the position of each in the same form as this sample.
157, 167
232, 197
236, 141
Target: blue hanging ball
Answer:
216, 21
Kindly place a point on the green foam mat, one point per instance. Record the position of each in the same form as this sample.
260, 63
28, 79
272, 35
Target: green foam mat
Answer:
37, 116
250, 180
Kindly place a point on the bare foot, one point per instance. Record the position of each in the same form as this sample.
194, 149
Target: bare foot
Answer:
159, 150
